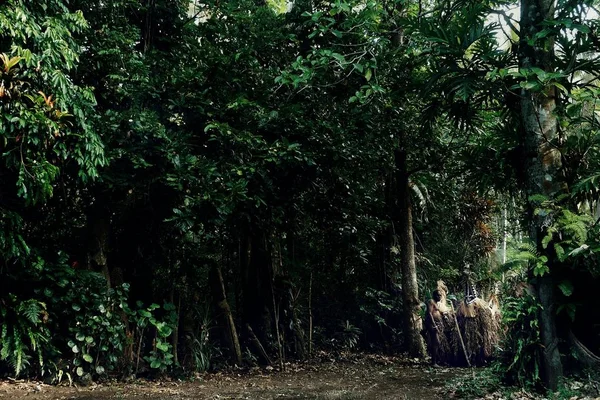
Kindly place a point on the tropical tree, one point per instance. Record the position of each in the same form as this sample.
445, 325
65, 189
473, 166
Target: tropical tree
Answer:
532, 83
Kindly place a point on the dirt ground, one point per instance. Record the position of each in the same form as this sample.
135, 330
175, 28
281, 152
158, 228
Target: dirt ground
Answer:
356, 377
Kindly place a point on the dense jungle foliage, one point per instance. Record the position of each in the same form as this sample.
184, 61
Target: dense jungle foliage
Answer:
188, 185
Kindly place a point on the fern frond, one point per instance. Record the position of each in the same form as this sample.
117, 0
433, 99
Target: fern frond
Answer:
18, 351
528, 247
5, 344
575, 225
31, 309
527, 253
32, 339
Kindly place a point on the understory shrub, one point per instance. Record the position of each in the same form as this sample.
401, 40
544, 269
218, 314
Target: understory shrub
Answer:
68, 323
521, 347
381, 314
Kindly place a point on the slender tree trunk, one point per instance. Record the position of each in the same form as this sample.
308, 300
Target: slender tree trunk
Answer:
410, 289
148, 25
175, 336
258, 345
543, 163
224, 316
297, 331
190, 329
278, 333
310, 316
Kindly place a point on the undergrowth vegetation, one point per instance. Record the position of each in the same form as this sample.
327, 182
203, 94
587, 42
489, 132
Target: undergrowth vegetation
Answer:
190, 185
99, 333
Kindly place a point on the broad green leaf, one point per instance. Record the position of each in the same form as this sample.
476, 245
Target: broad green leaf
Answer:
566, 287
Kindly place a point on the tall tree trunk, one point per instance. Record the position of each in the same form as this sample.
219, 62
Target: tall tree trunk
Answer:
543, 163
410, 289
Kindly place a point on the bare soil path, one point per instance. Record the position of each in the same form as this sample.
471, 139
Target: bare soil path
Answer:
354, 377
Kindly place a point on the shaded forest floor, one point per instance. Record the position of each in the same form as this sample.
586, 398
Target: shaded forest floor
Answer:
346, 377
351, 377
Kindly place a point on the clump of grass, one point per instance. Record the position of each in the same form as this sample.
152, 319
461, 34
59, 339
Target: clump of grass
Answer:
477, 383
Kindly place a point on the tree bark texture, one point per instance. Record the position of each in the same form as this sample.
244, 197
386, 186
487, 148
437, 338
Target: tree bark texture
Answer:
410, 289
542, 168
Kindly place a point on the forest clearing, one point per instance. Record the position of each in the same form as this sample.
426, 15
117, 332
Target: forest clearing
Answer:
349, 376
300, 199
352, 376
356, 377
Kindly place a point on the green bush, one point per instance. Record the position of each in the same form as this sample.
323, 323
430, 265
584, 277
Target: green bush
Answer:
97, 329
161, 355
521, 347
349, 335
381, 314
68, 323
